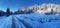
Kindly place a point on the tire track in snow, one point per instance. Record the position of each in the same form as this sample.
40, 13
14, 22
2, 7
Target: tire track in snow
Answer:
6, 23
3, 24
12, 25
27, 25
15, 23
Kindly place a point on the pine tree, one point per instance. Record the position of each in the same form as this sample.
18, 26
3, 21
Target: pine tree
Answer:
7, 12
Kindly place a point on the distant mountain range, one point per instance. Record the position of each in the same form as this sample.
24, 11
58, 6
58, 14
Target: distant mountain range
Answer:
30, 9
43, 9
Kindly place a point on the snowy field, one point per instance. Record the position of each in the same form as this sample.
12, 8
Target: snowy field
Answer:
33, 20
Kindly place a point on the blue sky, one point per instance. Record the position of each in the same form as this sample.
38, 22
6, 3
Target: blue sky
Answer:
15, 4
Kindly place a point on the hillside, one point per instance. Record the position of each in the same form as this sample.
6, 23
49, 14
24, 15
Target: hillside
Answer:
34, 20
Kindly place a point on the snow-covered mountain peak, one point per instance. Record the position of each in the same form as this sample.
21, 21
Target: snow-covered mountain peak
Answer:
49, 9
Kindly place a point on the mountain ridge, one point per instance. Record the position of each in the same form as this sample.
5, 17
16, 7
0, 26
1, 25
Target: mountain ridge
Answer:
43, 8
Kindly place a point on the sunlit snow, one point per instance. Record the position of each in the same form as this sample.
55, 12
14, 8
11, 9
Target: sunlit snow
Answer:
33, 20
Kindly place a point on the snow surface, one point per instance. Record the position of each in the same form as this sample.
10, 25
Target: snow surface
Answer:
33, 20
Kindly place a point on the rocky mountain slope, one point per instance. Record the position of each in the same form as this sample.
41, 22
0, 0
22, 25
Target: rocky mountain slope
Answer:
49, 9
43, 9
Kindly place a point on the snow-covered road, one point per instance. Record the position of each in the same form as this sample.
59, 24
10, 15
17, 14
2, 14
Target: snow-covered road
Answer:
14, 22
19, 23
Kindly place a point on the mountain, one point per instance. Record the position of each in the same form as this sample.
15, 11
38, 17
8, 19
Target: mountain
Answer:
49, 9
42, 9
30, 9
